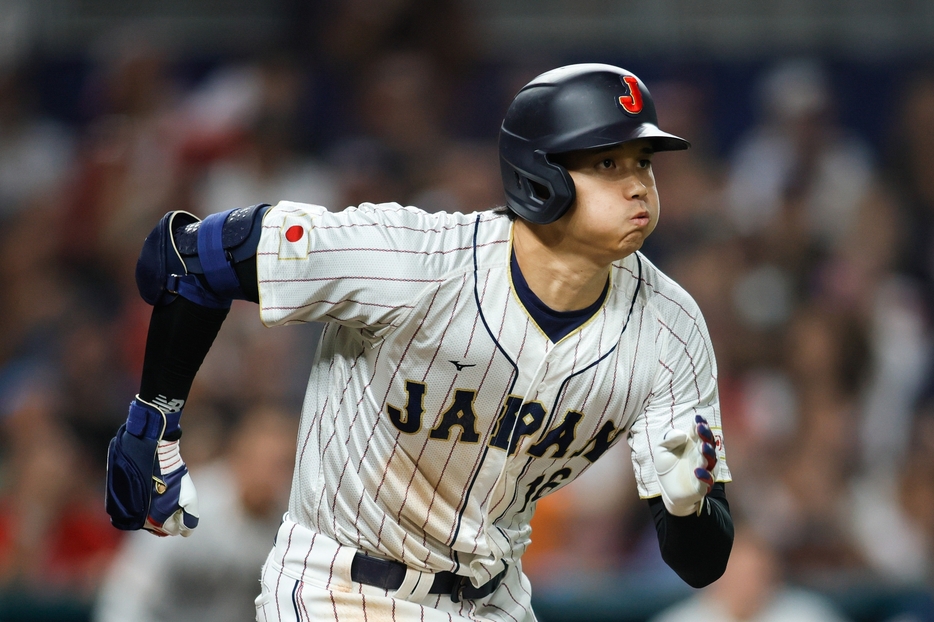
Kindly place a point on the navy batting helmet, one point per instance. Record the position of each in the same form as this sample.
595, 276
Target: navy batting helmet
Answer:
570, 109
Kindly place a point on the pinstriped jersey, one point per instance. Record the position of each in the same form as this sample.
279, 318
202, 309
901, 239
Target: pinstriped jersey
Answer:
437, 412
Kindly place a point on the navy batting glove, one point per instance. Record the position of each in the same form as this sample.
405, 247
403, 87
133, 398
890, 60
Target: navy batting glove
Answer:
148, 485
708, 451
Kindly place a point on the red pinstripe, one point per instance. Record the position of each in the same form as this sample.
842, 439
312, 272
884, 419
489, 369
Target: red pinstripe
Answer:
383, 401
336, 317
367, 277
509, 591
710, 355
333, 605
334, 431
492, 606
311, 547
463, 499
647, 436
587, 394
331, 569
686, 353
509, 440
279, 578
312, 426
421, 452
424, 377
489, 432
394, 251
434, 493
671, 390
469, 223
350, 425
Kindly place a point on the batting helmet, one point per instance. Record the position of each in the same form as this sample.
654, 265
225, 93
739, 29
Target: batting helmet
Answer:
569, 109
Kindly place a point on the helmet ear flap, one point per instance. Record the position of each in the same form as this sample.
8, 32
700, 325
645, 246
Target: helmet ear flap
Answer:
541, 197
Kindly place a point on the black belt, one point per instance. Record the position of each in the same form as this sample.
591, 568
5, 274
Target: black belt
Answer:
389, 575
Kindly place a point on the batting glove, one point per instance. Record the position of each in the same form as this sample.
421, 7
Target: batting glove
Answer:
148, 485
685, 464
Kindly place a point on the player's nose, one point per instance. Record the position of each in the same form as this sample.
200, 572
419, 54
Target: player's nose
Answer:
634, 188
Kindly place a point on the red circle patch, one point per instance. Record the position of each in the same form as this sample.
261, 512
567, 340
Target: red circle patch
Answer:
294, 233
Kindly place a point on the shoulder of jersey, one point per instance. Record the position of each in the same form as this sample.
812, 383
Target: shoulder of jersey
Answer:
406, 217
662, 292
427, 220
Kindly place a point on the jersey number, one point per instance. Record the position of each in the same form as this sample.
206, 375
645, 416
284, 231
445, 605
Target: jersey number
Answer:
537, 489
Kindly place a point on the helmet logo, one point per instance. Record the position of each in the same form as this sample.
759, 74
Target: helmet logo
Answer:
631, 103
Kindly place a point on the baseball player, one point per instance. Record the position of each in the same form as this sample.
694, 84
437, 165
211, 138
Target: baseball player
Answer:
470, 364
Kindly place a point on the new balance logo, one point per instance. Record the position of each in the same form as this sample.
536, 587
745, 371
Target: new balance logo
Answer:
166, 405
460, 366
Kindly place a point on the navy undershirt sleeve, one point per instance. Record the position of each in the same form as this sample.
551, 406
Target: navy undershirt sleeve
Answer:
555, 324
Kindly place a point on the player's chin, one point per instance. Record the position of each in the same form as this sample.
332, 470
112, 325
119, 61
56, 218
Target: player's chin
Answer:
628, 246
632, 242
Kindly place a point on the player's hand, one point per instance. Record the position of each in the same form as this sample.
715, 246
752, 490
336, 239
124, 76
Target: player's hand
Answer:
174, 508
685, 464
148, 485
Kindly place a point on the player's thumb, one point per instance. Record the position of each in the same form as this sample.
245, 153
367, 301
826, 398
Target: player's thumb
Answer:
184, 520
188, 501
671, 450
675, 441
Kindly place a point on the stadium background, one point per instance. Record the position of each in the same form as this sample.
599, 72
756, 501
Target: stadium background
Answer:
801, 221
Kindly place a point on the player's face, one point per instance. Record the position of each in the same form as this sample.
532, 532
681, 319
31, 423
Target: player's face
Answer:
617, 202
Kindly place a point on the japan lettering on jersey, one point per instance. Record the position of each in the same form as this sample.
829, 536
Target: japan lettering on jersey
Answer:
437, 412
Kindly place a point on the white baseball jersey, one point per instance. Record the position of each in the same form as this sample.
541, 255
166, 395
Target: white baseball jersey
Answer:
437, 412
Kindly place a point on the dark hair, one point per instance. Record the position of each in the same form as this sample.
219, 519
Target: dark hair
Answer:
502, 210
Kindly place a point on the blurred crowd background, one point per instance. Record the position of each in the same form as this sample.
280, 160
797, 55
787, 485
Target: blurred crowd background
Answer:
802, 221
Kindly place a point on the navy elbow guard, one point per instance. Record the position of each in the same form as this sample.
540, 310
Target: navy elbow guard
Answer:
184, 256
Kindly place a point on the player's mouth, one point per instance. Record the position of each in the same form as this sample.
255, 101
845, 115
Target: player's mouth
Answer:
641, 219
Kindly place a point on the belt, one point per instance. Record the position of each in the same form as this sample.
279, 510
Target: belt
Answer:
388, 575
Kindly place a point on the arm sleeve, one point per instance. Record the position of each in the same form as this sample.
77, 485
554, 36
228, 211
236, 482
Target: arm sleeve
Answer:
697, 548
180, 335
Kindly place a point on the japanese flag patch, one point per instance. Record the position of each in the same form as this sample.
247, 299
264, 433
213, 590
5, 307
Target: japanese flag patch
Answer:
294, 241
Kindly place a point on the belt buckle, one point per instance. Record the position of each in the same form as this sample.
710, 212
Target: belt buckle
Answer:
459, 586
463, 583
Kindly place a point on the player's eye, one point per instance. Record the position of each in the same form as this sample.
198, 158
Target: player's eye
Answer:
645, 163
607, 163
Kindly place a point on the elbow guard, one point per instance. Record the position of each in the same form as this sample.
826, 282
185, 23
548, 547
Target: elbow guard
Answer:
184, 256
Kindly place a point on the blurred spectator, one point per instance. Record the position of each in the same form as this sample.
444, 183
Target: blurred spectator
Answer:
893, 519
356, 31
264, 165
911, 173
911, 177
54, 536
400, 101
35, 153
366, 171
126, 175
692, 182
804, 511
35, 293
250, 363
465, 178
798, 169
753, 589
213, 575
